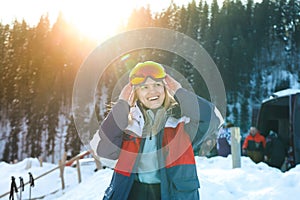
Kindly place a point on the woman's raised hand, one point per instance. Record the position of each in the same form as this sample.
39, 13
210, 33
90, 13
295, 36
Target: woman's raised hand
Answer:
127, 93
171, 84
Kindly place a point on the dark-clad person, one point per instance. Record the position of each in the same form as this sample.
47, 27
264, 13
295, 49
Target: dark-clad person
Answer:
275, 151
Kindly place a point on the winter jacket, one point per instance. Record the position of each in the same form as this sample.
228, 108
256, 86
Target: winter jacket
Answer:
224, 142
254, 143
275, 151
254, 146
175, 142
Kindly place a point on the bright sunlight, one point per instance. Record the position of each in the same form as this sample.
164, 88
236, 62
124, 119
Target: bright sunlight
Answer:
101, 19
97, 19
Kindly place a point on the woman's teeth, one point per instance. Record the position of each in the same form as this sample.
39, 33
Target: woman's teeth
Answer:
153, 98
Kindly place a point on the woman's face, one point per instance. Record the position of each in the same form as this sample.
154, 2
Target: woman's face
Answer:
151, 93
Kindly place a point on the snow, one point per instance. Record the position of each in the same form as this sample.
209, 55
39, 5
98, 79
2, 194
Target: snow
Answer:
282, 93
217, 179
286, 92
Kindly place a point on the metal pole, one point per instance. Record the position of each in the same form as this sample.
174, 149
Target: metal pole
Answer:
21, 187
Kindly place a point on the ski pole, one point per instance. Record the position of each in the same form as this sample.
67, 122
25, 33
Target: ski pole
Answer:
31, 181
13, 187
21, 187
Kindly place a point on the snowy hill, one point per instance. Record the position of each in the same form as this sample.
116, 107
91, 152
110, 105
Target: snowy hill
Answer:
217, 179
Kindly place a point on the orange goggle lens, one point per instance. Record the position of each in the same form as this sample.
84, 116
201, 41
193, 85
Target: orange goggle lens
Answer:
142, 71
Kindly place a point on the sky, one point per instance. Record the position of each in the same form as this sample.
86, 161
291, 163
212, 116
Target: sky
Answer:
95, 18
218, 180
98, 19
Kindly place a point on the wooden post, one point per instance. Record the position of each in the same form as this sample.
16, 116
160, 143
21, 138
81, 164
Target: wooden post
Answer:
98, 164
97, 161
235, 147
28, 164
41, 161
62, 164
78, 170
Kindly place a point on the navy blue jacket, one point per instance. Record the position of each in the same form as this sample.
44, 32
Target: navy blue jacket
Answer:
176, 144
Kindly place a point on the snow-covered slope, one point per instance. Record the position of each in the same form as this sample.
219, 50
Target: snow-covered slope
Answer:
217, 178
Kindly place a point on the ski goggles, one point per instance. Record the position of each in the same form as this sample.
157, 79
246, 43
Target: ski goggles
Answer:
142, 71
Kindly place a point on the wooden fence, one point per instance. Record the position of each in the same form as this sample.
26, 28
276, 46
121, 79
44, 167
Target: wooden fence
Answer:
62, 163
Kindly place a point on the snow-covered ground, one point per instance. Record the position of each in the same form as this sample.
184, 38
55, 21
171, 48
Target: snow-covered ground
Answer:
217, 178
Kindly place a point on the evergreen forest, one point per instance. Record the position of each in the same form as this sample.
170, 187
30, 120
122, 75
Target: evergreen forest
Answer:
256, 47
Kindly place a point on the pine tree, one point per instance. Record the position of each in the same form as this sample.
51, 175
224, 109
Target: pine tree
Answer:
16, 59
72, 143
38, 85
4, 35
204, 24
193, 21
168, 18
52, 116
139, 18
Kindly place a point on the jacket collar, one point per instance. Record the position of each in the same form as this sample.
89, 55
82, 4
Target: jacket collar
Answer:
137, 121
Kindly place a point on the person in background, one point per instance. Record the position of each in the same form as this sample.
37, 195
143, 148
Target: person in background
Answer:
208, 148
224, 140
152, 131
275, 151
254, 145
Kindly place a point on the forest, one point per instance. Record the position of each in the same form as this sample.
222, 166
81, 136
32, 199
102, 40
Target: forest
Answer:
254, 45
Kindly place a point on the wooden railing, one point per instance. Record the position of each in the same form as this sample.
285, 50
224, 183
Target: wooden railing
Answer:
62, 163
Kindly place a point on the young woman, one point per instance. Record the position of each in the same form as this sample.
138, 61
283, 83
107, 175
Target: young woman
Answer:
153, 131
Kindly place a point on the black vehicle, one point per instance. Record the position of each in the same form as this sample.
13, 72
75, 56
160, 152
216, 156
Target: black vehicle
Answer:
281, 114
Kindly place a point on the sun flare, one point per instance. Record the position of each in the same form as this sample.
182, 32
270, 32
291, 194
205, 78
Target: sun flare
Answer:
97, 19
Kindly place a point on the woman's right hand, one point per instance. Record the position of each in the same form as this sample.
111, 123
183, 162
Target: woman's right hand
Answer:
127, 93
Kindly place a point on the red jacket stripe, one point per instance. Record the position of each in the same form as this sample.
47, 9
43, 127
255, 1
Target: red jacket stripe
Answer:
128, 154
178, 146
